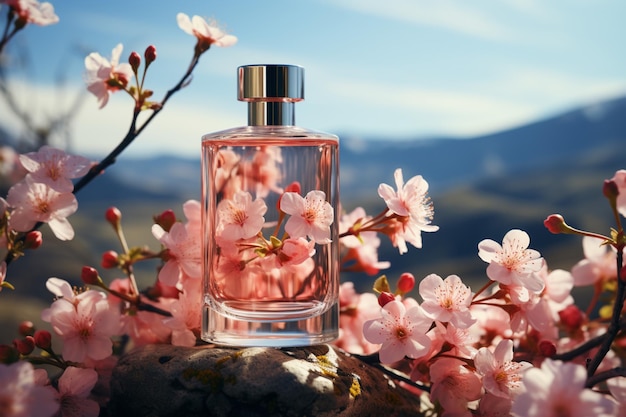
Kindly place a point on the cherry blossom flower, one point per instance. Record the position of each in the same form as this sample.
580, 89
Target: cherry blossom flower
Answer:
295, 251
598, 265
410, 201
512, 262
186, 318
453, 385
54, 167
184, 255
501, 376
558, 389
355, 310
361, 250
620, 180
207, 34
31, 11
401, 332
104, 76
21, 395
447, 300
240, 217
34, 202
75, 385
310, 216
86, 326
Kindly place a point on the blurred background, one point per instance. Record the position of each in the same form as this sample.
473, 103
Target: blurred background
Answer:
511, 110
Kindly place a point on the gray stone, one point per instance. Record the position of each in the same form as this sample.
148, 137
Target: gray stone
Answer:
165, 380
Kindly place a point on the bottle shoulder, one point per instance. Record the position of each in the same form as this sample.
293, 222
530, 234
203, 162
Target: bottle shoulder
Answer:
270, 132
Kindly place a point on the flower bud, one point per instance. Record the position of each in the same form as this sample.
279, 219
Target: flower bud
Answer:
150, 54
406, 282
43, 339
109, 260
555, 224
547, 348
610, 190
113, 215
134, 60
166, 220
33, 239
572, 318
26, 328
25, 346
384, 298
8, 354
90, 276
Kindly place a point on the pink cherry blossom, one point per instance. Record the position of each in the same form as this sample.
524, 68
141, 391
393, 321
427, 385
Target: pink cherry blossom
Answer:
21, 395
295, 251
409, 201
362, 251
598, 265
501, 376
447, 300
355, 310
103, 76
207, 34
54, 167
512, 262
85, 325
310, 216
620, 179
192, 210
31, 11
558, 389
75, 385
453, 385
240, 217
461, 341
34, 202
185, 320
184, 256
401, 332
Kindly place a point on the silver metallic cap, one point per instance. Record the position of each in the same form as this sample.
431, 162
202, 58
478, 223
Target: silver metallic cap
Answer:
282, 83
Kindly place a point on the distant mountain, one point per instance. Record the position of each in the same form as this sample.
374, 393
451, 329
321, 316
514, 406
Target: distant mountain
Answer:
448, 162
444, 162
481, 188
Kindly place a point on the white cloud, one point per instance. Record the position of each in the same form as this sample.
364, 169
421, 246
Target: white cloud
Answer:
462, 17
176, 130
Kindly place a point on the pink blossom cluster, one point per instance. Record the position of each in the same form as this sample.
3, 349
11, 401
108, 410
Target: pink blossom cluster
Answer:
500, 351
517, 346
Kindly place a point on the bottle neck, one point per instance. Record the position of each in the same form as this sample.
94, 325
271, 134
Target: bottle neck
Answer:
271, 113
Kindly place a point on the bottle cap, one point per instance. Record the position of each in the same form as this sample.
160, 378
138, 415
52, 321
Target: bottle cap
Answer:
271, 83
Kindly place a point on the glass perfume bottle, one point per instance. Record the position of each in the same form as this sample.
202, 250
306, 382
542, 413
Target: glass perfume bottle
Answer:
270, 193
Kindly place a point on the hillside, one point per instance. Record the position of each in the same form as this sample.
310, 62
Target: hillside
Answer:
557, 173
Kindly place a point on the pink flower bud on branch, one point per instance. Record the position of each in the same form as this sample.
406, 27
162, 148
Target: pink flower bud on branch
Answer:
43, 339
26, 328
134, 60
25, 346
113, 215
166, 219
33, 240
384, 298
406, 282
90, 276
150, 54
110, 259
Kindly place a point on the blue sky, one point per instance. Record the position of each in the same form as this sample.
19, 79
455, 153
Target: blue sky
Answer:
398, 69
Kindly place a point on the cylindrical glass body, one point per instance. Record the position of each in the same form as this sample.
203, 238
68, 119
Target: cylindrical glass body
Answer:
270, 198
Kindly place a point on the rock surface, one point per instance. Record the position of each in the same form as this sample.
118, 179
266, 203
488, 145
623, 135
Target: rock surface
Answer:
320, 381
